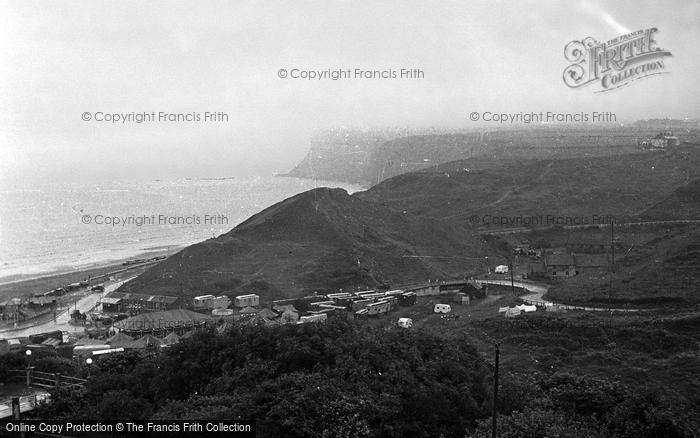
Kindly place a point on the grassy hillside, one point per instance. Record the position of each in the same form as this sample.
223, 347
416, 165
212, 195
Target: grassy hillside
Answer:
655, 266
683, 203
412, 227
320, 240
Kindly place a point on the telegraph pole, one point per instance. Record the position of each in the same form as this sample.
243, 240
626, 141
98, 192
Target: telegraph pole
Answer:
612, 266
512, 286
494, 407
612, 241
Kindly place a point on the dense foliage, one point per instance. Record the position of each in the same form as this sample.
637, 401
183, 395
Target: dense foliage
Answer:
333, 379
342, 379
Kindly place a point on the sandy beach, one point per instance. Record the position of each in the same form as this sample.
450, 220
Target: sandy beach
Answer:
25, 287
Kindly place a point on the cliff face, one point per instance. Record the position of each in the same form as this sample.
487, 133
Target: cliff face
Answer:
413, 227
369, 157
344, 155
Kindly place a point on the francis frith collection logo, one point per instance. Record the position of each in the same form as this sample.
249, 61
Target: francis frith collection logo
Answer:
615, 63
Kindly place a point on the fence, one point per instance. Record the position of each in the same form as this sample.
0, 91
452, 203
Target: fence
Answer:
43, 379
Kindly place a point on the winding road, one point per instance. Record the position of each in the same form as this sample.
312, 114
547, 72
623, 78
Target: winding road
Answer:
536, 296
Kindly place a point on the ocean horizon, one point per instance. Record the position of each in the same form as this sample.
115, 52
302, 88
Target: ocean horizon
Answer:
63, 227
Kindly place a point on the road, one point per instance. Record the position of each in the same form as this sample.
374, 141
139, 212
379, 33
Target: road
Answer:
85, 304
536, 296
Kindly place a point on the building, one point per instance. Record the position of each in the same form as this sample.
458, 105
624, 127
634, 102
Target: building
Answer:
319, 317
250, 300
339, 297
289, 316
567, 265
379, 308
118, 302
280, 308
536, 270
407, 299
461, 298
288, 313
161, 323
360, 304
208, 302
475, 289
10, 309
560, 265
660, 142
268, 313
248, 312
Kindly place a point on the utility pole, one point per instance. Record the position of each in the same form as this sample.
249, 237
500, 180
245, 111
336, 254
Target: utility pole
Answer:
494, 408
612, 267
612, 241
512, 282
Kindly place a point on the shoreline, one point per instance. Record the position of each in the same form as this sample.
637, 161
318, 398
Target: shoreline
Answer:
24, 287
144, 253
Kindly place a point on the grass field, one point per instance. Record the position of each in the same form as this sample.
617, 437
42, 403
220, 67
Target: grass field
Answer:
659, 350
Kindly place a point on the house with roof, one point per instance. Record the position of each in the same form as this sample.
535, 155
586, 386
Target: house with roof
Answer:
378, 308
160, 323
119, 340
268, 313
289, 316
119, 302
248, 312
536, 270
475, 289
281, 308
171, 339
42, 301
560, 265
10, 309
262, 321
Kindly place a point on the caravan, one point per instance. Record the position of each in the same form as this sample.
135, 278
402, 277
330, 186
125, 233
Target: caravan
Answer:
442, 308
501, 269
405, 322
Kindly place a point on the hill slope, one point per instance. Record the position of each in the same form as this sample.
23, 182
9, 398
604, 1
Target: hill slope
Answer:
411, 227
683, 203
316, 241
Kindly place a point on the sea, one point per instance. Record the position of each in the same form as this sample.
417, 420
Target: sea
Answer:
61, 227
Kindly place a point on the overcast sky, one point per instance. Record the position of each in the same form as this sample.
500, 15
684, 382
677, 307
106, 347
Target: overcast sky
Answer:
60, 59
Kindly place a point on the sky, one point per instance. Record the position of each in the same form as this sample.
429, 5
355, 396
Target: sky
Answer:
59, 60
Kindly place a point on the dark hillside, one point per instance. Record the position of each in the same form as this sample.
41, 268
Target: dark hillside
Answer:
414, 227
